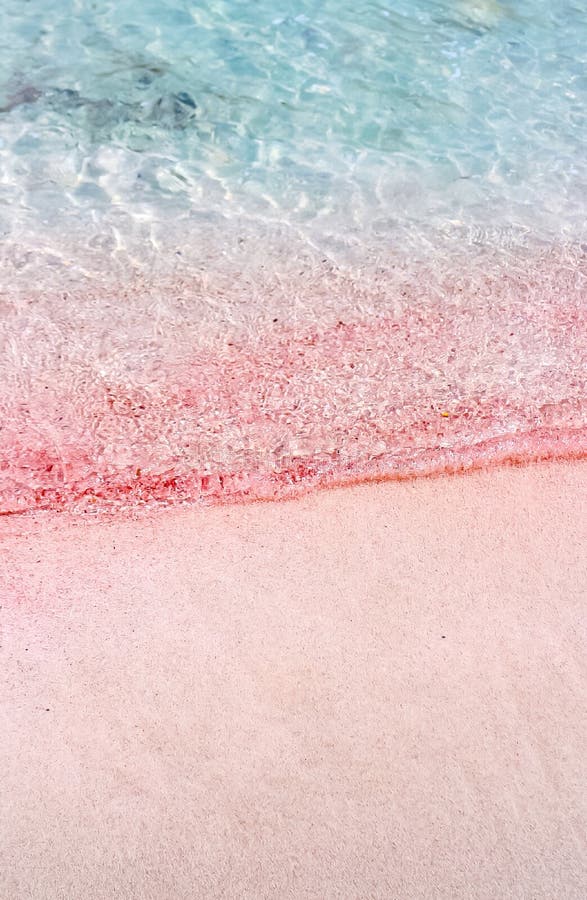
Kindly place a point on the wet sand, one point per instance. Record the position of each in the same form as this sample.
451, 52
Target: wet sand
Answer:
371, 692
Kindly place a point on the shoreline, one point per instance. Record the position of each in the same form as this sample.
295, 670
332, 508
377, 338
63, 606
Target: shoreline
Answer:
372, 691
445, 372
302, 480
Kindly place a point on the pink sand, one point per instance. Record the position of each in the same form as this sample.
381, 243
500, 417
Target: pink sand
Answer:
375, 692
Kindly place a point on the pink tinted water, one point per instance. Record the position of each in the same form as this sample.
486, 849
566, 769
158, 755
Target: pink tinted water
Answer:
449, 371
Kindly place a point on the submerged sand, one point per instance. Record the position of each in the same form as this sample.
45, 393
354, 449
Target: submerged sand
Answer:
373, 692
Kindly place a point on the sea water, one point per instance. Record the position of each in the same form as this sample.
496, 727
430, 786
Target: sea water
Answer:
246, 248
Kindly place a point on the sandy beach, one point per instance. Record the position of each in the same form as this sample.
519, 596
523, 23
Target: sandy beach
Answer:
370, 692
293, 450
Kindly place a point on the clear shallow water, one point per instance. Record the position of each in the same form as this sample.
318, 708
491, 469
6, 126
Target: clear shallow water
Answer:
173, 174
354, 125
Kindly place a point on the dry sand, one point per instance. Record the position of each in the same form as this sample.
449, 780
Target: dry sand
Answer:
377, 692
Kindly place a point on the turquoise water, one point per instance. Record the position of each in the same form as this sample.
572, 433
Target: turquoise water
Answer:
249, 245
358, 127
